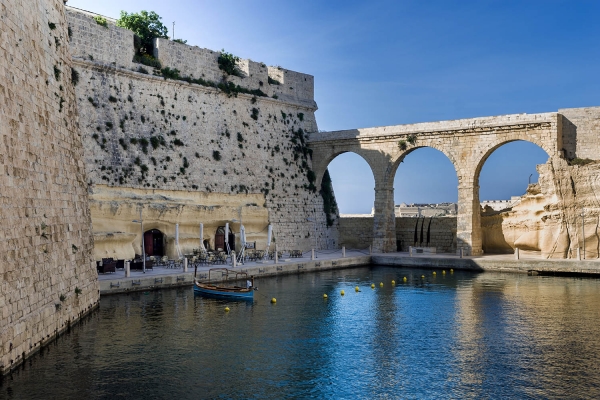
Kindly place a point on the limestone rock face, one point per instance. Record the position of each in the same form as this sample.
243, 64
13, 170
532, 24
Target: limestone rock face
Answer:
117, 236
549, 217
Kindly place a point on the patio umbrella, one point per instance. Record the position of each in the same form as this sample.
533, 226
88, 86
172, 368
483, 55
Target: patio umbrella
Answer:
269, 236
202, 237
177, 241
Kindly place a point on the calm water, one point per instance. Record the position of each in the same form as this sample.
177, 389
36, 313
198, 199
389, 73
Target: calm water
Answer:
459, 335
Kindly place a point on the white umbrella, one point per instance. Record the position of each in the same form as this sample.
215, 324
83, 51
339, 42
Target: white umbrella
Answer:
269, 236
177, 241
243, 236
202, 237
227, 232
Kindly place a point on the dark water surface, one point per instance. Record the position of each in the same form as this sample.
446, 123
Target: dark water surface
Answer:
460, 335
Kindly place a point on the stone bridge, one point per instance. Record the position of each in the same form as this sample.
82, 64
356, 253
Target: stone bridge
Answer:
466, 142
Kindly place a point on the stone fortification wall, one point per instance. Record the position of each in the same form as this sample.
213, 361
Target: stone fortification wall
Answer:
194, 61
581, 132
108, 44
143, 132
46, 274
357, 232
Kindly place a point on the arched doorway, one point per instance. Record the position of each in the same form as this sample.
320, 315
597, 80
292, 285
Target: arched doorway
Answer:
154, 243
220, 239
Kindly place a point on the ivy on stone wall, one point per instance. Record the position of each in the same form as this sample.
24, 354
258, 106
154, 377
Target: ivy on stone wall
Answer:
329, 204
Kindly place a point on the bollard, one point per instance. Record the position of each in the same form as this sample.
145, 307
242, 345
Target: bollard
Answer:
343, 251
517, 255
410, 251
370, 250
461, 252
185, 264
312, 257
127, 270
578, 253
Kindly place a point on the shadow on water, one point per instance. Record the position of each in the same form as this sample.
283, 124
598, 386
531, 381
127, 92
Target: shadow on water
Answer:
460, 334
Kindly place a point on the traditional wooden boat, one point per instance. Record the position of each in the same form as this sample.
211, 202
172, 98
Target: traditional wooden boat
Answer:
231, 292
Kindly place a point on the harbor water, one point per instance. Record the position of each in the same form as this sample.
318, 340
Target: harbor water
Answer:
445, 335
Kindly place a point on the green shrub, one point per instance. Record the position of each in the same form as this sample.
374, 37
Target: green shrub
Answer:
52, 25
216, 155
74, 76
57, 73
180, 41
112, 99
101, 21
146, 25
228, 63
254, 114
402, 145
273, 81
178, 142
169, 73
147, 59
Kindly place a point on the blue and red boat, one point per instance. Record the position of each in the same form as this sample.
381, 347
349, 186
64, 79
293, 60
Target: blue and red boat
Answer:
229, 292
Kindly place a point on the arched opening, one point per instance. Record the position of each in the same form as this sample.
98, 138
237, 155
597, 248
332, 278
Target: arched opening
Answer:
425, 201
154, 243
220, 239
509, 195
353, 184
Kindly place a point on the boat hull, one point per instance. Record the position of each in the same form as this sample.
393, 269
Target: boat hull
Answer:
224, 293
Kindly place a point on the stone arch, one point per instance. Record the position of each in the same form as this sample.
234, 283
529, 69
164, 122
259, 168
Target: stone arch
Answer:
395, 162
495, 146
321, 162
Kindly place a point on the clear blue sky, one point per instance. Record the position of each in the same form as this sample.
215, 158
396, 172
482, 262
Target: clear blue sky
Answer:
395, 62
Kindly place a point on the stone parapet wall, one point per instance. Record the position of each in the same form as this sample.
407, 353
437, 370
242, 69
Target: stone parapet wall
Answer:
357, 232
193, 61
581, 132
47, 279
90, 41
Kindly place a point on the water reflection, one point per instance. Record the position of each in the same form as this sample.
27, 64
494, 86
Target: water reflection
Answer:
450, 335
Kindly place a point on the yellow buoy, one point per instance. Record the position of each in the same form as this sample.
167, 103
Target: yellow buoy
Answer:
325, 295
357, 289
434, 273
422, 276
342, 293
404, 279
443, 272
393, 282
273, 300
451, 270
372, 286
226, 309
381, 284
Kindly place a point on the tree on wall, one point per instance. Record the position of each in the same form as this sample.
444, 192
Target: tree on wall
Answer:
146, 25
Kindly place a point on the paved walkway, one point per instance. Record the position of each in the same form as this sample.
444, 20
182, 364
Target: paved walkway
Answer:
528, 262
158, 271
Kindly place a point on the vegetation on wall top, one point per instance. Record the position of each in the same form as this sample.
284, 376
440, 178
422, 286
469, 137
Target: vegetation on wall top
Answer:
228, 63
146, 25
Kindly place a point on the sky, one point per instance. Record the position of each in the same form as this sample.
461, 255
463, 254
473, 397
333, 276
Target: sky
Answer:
381, 62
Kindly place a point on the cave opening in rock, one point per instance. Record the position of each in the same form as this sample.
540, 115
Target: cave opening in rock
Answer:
154, 243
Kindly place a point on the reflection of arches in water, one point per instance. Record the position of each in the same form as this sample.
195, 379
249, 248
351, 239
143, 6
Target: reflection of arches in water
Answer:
220, 239
154, 243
